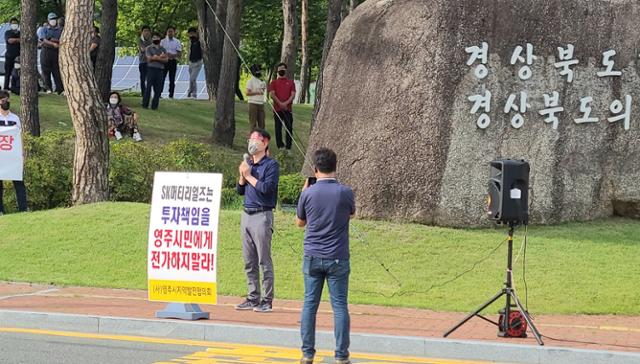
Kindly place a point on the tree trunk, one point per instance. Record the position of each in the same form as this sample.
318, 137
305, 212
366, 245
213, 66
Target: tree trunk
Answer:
305, 72
308, 87
91, 159
207, 30
219, 42
30, 116
333, 23
224, 128
345, 9
353, 5
289, 41
106, 53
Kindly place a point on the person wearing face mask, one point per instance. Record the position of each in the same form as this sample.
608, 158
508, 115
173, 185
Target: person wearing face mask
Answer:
258, 183
195, 62
143, 43
283, 90
174, 52
9, 119
156, 59
255, 94
50, 55
122, 120
12, 39
94, 46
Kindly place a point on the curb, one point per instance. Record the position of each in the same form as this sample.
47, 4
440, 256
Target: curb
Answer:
256, 335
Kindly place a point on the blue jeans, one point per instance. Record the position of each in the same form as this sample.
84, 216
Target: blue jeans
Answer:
336, 273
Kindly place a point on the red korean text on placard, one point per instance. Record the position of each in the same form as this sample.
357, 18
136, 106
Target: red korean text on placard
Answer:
6, 142
182, 261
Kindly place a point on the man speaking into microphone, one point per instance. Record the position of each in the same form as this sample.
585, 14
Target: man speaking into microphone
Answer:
258, 183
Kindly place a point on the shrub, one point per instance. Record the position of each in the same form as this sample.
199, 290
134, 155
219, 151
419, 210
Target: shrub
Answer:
289, 188
48, 170
290, 162
131, 170
184, 155
230, 199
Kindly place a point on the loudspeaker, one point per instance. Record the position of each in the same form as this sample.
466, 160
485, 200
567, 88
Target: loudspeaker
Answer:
508, 198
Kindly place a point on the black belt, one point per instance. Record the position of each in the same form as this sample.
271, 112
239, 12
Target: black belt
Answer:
252, 211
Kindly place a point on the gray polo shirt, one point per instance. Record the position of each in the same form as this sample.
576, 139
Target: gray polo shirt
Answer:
326, 206
155, 51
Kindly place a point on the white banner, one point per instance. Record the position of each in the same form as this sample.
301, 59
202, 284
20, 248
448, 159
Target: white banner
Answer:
11, 160
183, 237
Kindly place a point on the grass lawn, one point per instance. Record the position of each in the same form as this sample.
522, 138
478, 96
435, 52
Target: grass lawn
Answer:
571, 268
191, 119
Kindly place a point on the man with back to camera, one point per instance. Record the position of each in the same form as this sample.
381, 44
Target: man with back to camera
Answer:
258, 183
325, 208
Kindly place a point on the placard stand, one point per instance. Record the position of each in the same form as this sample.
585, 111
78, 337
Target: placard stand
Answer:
183, 311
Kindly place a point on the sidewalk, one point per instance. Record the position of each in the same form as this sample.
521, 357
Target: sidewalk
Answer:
602, 332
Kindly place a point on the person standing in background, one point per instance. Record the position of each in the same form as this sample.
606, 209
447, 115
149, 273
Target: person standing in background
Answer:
173, 48
282, 90
255, 95
94, 47
50, 55
12, 39
195, 62
143, 43
156, 59
41, 32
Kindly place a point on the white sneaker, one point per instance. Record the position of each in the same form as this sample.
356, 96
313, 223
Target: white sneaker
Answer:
118, 135
137, 137
49, 92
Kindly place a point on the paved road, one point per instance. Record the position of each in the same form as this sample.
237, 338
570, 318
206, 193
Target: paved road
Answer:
52, 347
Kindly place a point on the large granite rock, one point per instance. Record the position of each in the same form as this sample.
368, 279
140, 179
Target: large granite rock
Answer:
396, 107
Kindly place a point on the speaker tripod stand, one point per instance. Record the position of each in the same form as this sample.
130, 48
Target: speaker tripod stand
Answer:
510, 294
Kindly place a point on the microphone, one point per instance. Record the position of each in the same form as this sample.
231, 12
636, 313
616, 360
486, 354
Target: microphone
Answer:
246, 157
